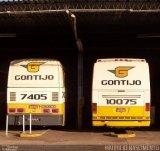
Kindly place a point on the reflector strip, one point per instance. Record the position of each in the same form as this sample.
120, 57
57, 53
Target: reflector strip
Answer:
121, 118
55, 110
12, 110
46, 110
20, 110
147, 107
94, 108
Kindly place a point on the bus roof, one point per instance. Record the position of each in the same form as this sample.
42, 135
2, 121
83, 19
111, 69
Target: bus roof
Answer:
121, 59
24, 61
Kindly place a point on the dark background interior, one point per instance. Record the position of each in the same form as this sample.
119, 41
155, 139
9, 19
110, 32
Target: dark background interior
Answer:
103, 34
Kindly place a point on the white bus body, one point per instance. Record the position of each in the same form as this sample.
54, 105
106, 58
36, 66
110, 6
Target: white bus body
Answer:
36, 86
121, 93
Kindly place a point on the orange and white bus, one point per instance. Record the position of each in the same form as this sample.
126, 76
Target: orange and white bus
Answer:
121, 93
36, 86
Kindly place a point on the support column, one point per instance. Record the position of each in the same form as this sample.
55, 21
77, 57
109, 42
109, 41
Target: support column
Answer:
79, 45
80, 85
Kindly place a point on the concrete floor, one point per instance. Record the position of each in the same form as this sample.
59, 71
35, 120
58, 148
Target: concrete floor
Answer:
86, 140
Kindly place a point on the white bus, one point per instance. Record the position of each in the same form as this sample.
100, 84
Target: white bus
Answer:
36, 87
121, 93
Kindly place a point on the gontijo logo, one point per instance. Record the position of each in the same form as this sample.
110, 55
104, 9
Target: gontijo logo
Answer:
33, 66
121, 71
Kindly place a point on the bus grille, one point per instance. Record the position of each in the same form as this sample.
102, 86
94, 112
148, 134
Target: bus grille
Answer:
54, 96
12, 96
